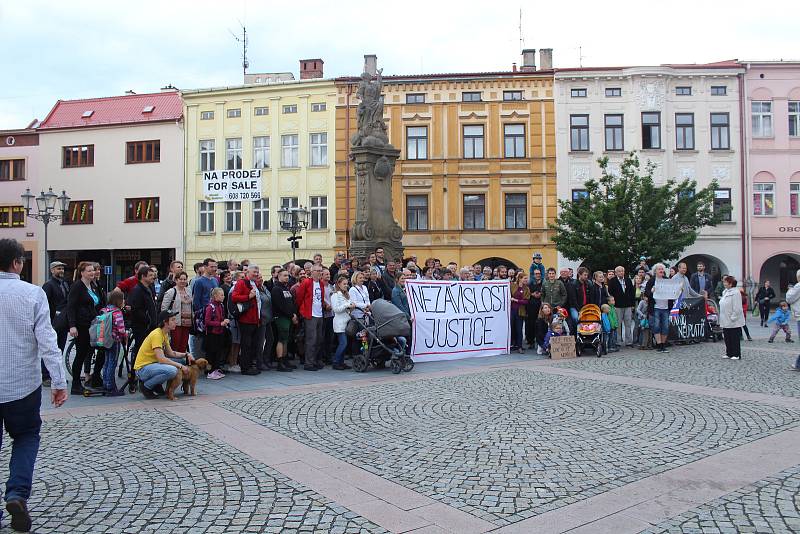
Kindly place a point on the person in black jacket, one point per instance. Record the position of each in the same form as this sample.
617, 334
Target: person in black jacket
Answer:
285, 310
532, 308
83, 305
621, 288
57, 291
572, 300
142, 301
764, 295
598, 294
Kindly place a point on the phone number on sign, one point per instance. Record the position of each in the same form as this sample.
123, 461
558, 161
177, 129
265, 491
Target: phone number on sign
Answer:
255, 195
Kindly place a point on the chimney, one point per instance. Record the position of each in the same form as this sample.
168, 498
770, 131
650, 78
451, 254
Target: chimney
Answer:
311, 68
528, 60
546, 58
371, 64
514, 67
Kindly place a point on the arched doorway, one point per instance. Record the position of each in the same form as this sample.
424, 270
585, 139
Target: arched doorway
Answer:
781, 271
715, 267
495, 261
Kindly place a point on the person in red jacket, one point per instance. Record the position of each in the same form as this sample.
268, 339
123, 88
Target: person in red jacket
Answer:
310, 299
245, 296
127, 285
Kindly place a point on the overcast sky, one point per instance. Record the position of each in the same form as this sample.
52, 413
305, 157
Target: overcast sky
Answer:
81, 49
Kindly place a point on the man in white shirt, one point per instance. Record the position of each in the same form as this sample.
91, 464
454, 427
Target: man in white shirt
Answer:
311, 301
26, 340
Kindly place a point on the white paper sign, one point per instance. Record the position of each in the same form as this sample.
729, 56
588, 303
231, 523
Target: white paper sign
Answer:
453, 320
235, 185
668, 288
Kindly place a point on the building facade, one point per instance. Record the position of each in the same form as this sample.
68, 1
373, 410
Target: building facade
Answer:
683, 118
772, 107
475, 181
19, 170
120, 160
285, 129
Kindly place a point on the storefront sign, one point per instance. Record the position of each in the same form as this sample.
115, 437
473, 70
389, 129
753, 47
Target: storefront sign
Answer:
234, 185
453, 320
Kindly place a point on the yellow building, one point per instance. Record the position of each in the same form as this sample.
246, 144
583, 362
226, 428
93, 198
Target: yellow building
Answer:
286, 130
476, 178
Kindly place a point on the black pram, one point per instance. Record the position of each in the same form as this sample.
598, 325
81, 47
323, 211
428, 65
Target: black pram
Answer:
383, 334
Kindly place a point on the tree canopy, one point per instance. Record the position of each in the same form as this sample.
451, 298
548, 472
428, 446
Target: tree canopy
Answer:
625, 215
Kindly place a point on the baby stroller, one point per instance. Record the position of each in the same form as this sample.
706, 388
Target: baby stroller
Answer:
590, 330
382, 337
712, 318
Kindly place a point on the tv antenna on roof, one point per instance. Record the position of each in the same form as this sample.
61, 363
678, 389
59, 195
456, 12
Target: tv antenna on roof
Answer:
243, 40
521, 39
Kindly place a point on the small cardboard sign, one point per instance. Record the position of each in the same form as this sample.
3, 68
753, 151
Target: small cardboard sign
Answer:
562, 347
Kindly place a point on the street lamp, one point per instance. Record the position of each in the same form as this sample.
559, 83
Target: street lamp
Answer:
294, 220
46, 211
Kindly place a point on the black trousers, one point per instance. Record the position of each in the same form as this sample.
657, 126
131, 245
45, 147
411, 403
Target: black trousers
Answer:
732, 337
763, 311
247, 353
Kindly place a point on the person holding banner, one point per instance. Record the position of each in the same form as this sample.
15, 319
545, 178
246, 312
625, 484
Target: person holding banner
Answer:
658, 309
731, 318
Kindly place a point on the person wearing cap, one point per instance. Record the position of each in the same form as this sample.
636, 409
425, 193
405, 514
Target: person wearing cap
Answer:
537, 265
156, 362
642, 264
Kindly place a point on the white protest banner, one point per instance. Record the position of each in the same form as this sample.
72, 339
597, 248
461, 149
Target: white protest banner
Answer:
668, 288
234, 185
453, 320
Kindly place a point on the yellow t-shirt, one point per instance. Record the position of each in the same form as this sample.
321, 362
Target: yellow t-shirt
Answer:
147, 354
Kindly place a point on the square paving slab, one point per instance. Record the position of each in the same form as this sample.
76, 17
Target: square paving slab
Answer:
510, 444
148, 471
768, 506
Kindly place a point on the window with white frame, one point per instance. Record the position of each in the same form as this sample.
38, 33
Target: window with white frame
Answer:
234, 113
207, 155
794, 118
473, 141
261, 215
763, 200
262, 110
206, 115
319, 148
417, 142
205, 217
290, 151
233, 153
261, 152
794, 199
233, 216
289, 203
319, 212
318, 106
762, 118
291, 108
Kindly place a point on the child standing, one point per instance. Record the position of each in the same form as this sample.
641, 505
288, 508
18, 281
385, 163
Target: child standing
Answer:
612, 318
781, 318
216, 323
116, 301
643, 322
606, 322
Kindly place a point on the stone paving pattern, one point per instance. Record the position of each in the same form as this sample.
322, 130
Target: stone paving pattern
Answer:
769, 506
759, 371
147, 471
510, 444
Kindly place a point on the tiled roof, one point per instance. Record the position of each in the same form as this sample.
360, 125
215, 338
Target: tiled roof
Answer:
128, 109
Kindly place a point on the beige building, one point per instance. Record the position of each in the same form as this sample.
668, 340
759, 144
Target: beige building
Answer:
285, 129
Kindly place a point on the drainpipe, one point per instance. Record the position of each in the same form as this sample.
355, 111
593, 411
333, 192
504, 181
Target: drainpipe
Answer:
743, 180
347, 168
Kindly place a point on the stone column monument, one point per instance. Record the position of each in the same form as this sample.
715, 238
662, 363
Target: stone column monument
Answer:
374, 158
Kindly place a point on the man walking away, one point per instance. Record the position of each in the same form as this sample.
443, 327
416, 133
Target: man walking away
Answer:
621, 288
26, 340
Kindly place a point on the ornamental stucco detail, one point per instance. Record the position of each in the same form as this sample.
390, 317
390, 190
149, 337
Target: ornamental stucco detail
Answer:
651, 94
581, 174
687, 173
721, 174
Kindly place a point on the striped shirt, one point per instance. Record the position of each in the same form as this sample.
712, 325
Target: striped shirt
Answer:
26, 339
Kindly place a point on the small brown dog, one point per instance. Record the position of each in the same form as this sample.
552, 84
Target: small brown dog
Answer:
188, 379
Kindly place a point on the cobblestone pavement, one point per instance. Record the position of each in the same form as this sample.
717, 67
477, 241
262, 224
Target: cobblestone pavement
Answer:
769, 506
510, 444
146, 471
759, 371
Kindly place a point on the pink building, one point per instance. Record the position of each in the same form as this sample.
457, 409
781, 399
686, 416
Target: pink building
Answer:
19, 171
772, 105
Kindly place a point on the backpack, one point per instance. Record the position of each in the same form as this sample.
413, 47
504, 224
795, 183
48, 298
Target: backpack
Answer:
198, 323
101, 331
235, 310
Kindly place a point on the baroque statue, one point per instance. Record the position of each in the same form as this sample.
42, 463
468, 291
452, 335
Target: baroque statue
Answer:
371, 127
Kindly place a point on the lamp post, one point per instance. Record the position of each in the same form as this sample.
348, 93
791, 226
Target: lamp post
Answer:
294, 220
46, 212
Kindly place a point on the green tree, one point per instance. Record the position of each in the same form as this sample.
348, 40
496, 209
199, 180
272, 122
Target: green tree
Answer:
626, 215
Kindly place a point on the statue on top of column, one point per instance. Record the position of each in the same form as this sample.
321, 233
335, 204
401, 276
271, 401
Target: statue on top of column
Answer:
371, 127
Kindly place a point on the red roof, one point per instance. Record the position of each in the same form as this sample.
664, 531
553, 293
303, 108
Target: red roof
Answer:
128, 109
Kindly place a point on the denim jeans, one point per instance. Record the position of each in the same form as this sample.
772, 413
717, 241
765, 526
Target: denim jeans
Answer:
517, 330
338, 358
659, 322
109, 384
154, 374
22, 422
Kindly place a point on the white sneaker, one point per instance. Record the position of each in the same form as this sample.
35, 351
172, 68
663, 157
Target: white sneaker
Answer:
538, 350
234, 368
736, 357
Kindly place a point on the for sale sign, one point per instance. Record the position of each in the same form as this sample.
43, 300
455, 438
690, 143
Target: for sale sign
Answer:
233, 185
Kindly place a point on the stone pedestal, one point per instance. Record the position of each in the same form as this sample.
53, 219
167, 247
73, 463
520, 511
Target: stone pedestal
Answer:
375, 225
